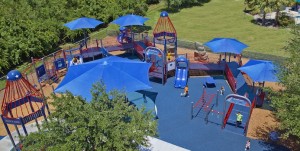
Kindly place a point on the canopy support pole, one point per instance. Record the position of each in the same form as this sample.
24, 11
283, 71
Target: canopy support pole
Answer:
9, 134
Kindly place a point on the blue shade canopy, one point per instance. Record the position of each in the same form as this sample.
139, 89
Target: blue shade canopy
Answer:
260, 70
130, 20
115, 72
83, 23
229, 45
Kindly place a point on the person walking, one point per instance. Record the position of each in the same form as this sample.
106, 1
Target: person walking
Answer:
222, 90
248, 144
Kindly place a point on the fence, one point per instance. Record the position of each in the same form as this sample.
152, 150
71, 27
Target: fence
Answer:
193, 45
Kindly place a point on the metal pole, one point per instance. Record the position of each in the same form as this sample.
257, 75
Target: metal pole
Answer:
44, 114
41, 88
10, 112
223, 116
144, 97
23, 126
9, 134
175, 49
192, 110
217, 98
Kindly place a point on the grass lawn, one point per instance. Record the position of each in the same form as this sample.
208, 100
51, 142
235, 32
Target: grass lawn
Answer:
219, 18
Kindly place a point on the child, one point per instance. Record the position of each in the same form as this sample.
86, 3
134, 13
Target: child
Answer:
239, 119
222, 90
186, 92
247, 147
74, 60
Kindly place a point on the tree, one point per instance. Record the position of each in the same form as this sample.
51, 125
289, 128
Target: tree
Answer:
34, 28
107, 123
262, 6
173, 3
286, 102
181, 3
277, 5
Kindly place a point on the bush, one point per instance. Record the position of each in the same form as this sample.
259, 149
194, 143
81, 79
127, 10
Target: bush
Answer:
284, 20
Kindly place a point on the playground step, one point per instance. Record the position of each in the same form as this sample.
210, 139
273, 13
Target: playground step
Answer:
55, 79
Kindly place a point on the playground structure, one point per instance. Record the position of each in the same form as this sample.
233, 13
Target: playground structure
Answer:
209, 108
165, 33
240, 102
124, 36
181, 72
156, 57
21, 104
205, 105
47, 68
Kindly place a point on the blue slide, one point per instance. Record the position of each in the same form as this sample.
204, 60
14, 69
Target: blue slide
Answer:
104, 52
182, 71
181, 76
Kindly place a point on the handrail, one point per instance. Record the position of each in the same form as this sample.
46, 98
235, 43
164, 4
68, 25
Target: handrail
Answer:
230, 78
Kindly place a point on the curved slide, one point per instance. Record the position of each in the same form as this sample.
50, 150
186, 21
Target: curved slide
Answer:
120, 38
123, 38
181, 76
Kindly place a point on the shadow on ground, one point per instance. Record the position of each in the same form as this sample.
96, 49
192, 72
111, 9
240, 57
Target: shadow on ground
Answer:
263, 133
177, 9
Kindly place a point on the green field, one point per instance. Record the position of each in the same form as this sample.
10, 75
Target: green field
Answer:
219, 18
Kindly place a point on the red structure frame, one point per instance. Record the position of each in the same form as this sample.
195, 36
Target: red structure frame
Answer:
242, 100
164, 31
21, 103
230, 78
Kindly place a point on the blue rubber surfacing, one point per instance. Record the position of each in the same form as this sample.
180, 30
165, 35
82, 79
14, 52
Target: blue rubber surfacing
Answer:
176, 126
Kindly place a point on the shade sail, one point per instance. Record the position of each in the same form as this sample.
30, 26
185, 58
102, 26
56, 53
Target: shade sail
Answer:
115, 72
130, 20
83, 23
226, 45
260, 70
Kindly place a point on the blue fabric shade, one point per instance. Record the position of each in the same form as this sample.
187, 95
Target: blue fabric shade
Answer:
260, 70
130, 20
115, 72
229, 45
83, 23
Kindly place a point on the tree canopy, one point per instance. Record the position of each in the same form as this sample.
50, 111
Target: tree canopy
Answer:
33, 28
176, 4
267, 6
107, 123
286, 102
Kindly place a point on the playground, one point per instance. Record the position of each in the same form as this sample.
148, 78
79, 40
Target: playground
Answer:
198, 121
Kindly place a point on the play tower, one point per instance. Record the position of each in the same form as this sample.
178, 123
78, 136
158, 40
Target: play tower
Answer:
165, 33
21, 104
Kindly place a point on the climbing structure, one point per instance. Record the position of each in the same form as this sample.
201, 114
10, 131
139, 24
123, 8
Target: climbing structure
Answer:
165, 33
21, 103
